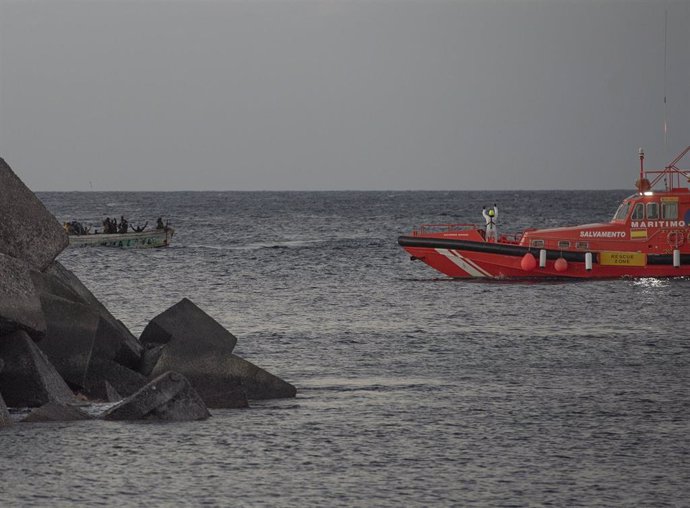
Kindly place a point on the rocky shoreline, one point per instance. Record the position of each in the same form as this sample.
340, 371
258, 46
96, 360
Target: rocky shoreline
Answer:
61, 349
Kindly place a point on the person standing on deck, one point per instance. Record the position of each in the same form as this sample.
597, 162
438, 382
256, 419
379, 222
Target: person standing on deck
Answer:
491, 218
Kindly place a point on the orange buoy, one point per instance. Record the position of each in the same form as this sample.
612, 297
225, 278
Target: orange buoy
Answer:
528, 262
561, 265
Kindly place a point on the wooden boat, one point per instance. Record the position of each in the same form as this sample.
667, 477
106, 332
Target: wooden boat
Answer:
145, 239
649, 236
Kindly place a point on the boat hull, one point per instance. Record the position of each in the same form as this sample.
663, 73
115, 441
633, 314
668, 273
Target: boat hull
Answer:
144, 240
478, 259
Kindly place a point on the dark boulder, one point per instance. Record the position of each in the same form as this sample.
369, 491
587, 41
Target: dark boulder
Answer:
150, 356
56, 412
111, 394
191, 326
28, 379
257, 382
20, 307
208, 374
28, 231
50, 283
4, 414
222, 380
79, 341
102, 374
70, 339
60, 282
201, 349
168, 397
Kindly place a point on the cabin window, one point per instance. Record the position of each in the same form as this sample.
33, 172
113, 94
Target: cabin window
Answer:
582, 245
669, 210
622, 211
537, 244
563, 244
652, 211
638, 212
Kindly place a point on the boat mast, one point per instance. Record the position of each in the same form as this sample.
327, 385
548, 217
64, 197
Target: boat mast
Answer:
665, 72
641, 152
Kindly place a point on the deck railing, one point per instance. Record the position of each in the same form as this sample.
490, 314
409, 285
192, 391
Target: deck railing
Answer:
426, 229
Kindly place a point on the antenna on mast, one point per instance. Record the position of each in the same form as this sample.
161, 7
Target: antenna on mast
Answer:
665, 107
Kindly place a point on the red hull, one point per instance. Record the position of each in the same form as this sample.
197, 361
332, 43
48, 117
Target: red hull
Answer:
459, 263
649, 236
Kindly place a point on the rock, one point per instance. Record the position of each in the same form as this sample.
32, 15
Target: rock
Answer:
77, 338
208, 374
20, 307
56, 412
130, 350
5, 419
201, 349
191, 326
70, 340
149, 358
28, 379
103, 373
168, 397
258, 383
59, 281
223, 381
28, 231
192, 341
111, 393
50, 283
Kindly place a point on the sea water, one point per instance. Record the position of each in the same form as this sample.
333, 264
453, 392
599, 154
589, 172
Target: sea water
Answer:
413, 389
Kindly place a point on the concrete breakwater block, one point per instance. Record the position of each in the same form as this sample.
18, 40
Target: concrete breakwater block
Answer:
258, 383
224, 381
4, 414
150, 356
28, 379
28, 231
191, 327
201, 349
56, 412
192, 341
20, 307
111, 394
168, 397
207, 373
70, 337
60, 282
120, 379
82, 345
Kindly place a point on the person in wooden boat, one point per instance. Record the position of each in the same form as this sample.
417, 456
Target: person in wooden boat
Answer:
75, 228
139, 229
124, 225
491, 218
109, 226
159, 223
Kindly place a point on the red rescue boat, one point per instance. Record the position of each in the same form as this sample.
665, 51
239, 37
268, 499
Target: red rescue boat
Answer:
649, 236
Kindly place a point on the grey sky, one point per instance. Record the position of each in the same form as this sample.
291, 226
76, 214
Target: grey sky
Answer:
254, 94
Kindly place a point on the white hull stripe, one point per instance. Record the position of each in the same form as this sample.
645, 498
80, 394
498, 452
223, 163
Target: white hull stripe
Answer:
463, 263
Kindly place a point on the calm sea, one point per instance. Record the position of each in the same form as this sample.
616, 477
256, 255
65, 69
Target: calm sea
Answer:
413, 390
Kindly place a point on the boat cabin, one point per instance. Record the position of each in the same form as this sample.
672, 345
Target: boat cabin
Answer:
652, 222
